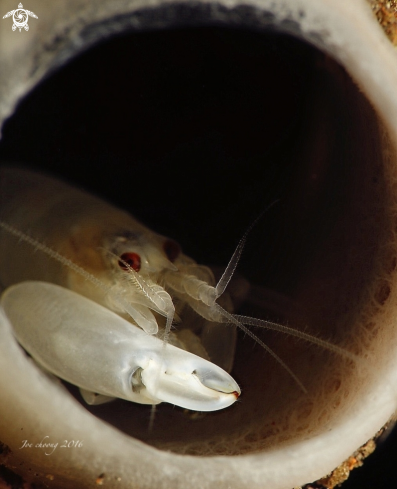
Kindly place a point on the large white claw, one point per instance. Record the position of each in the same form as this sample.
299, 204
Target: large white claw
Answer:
90, 346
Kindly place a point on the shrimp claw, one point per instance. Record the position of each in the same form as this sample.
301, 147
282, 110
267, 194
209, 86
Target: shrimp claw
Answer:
90, 346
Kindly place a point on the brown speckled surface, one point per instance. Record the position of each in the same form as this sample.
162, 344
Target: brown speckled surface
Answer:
386, 13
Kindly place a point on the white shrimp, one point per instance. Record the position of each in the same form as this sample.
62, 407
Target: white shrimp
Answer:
119, 263
98, 238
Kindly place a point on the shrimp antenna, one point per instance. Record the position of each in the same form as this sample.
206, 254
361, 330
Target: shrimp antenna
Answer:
235, 319
234, 260
53, 254
260, 323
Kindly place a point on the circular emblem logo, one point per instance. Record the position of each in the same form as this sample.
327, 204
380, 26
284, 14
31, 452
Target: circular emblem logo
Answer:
20, 18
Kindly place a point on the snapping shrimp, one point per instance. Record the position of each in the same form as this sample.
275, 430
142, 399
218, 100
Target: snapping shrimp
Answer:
123, 280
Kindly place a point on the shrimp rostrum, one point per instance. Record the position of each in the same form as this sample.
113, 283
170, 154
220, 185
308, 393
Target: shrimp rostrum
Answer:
92, 295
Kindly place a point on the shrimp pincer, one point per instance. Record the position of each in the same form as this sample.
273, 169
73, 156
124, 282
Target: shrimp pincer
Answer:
50, 321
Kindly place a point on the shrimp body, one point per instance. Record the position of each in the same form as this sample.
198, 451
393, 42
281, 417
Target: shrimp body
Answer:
98, 251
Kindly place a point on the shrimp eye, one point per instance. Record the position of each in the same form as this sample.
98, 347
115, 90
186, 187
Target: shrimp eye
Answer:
133, 260
171, 249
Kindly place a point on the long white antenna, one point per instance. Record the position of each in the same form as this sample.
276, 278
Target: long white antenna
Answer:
232, 265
